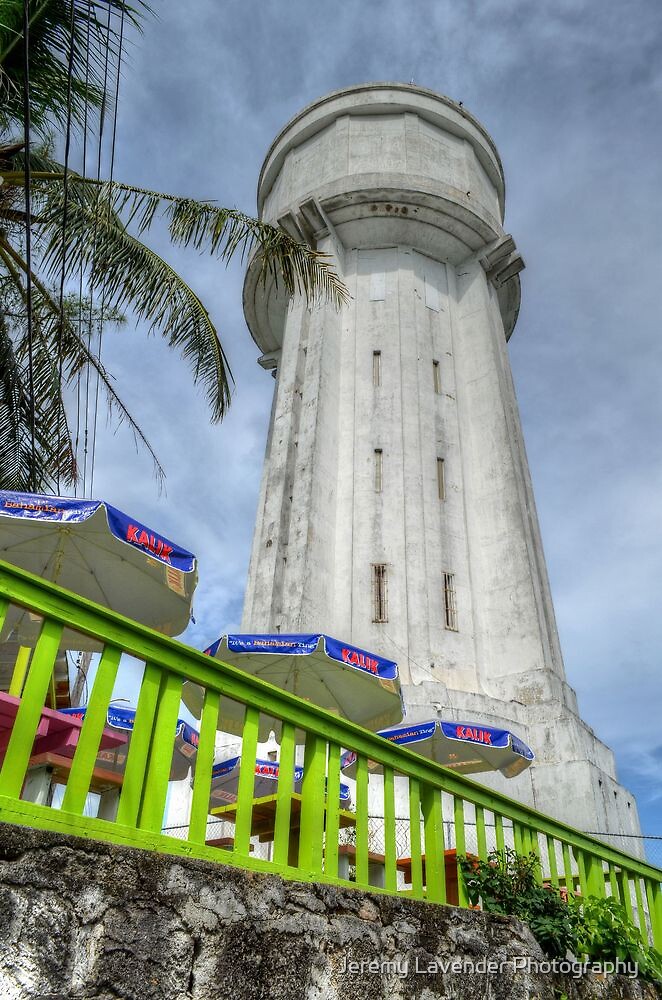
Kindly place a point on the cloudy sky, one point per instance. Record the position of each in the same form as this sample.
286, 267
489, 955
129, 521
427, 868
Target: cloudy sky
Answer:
571, 93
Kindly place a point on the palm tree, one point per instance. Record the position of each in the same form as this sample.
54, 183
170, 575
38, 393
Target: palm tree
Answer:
85, 226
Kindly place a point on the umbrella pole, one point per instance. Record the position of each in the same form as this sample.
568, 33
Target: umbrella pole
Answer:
19, 672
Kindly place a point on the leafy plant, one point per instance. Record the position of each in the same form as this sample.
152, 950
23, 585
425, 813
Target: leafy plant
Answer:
605, 933
596, 928
509, 883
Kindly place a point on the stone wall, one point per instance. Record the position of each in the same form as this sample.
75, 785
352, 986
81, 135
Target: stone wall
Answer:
82, 919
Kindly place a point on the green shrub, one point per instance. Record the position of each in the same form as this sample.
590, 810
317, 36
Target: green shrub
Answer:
508, 883
598, 929
605, 933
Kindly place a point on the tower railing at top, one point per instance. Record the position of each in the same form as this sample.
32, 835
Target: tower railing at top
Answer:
311, 834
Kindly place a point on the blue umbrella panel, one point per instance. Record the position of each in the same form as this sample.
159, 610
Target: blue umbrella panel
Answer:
225, 781
344, 679
122, 719
467, 747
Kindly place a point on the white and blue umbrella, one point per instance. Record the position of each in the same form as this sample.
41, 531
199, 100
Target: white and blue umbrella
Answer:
351, 682
225, 781
467, 747
123, 719
97, 551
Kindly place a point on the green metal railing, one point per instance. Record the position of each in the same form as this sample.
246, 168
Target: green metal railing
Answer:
306, 834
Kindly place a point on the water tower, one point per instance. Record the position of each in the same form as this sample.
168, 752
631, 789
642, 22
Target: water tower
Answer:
396, 509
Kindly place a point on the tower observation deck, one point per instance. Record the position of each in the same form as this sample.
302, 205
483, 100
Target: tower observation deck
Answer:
396, 509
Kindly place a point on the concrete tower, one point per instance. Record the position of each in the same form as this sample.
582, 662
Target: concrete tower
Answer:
396, 507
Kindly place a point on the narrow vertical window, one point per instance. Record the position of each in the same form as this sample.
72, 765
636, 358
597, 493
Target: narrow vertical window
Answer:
376, 367
379, 593
379, 468
441, 479
450, 605
436, 377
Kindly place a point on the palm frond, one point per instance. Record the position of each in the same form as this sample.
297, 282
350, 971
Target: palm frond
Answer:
20, 469
22, 466
226, 232
56, 337
94, 35
223, 232
128, 274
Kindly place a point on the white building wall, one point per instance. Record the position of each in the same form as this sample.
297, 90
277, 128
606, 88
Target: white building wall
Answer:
404, 190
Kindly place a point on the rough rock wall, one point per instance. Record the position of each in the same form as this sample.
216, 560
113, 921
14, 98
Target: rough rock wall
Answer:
82, 919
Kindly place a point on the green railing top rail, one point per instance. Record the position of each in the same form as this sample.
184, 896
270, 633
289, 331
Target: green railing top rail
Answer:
111, 629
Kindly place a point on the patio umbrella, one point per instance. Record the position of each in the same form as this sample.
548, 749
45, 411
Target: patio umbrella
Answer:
225, 780
467, 747
95, 550
122, 719
341, 678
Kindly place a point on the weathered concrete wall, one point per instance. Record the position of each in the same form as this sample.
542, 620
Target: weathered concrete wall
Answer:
81, 919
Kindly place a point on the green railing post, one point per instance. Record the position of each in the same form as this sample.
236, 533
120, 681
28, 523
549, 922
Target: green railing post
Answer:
390, 869
246, 787
596, 876
518, 839
460, 848
551, 860
641, 912
580, 858
534, 848
94, 723
525, 839
650, 902
21, 664
313, 799
481, 838
613, 883
19, 749
141, 741
498, 833
435, 859
362, 865
284, 795
204, 762
626, 898
654, 893
415, 838
332, 812
161, 750
567, 868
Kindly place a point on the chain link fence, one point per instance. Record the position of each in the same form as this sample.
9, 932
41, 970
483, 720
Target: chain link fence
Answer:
647, 846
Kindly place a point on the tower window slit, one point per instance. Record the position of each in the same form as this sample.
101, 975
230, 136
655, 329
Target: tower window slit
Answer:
436, 377
379, 593
379, 470
450, 604
441, 479
376, 368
